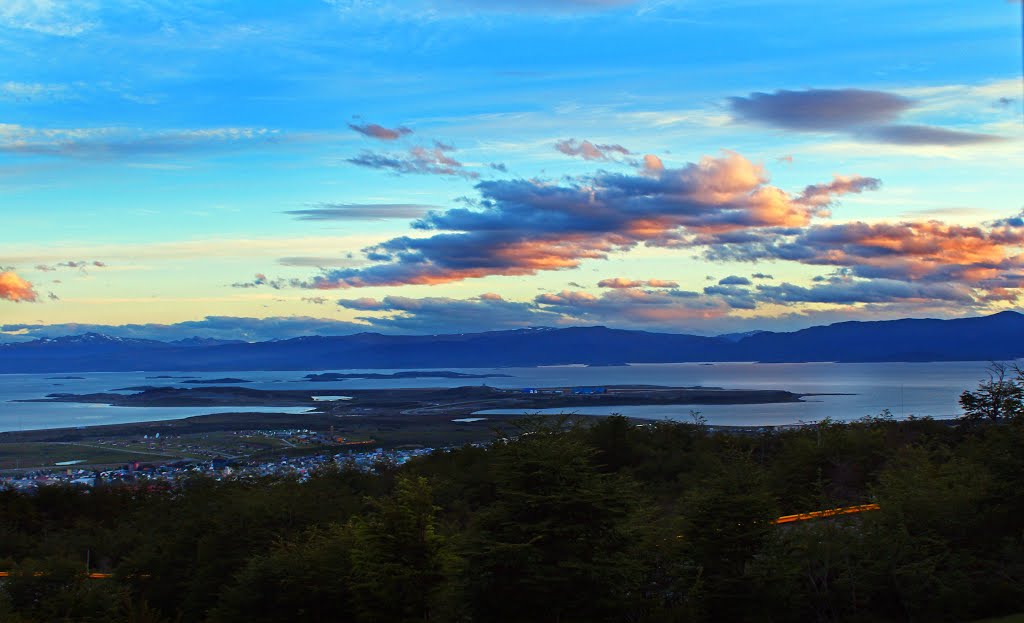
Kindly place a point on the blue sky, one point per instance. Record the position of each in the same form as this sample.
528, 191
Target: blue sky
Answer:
263, 169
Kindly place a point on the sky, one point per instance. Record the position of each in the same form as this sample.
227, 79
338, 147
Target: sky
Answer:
260, 170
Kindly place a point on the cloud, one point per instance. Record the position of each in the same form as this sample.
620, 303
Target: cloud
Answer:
456, 9
873, 291
735, 296
568, 298
668, 310
522, 227
820, 109
734, 280
380, 132
33, 91
59, 18
417, 160
762, 276
113, 142
1016, 220
14, 288
360, 211
634, 307
653, 164
542, 5
216, 327
433, 314
928, 135
620, 282
135, 252
822, 194
489, 311
978, 259
81, 265
260, 280
588, 150
317, 262
862, 113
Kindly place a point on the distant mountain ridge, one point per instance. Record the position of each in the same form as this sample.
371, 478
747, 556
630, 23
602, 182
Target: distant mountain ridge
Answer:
996, 337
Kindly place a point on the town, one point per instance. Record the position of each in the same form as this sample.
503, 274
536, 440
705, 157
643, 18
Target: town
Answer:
300, 452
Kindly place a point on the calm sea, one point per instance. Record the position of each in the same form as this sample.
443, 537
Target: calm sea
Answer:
920, 389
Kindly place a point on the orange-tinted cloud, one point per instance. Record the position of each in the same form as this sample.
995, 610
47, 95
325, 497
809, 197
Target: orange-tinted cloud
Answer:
653, 164
981, 257
621, 282
522, 227
14, 288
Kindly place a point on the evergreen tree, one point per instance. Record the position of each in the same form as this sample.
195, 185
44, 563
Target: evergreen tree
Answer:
727, 519
557, 544
399, 561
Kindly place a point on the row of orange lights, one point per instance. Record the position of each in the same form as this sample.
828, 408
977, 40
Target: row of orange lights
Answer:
832, 512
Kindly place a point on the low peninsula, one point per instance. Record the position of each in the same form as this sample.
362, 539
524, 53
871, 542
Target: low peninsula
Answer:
328, 377
417, 417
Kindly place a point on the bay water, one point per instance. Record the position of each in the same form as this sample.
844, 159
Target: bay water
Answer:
854, 390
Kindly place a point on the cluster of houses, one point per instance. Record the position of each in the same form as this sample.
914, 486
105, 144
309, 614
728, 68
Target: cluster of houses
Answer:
220, 468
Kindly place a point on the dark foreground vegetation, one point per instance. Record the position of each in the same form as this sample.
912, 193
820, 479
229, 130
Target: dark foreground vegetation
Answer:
560, 520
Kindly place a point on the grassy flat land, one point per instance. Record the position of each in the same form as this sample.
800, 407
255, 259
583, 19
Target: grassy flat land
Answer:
101, 448
219, 433
32, 455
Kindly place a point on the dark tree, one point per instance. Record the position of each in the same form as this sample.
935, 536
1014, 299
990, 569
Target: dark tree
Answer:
1000, 397
399, 560
557, 543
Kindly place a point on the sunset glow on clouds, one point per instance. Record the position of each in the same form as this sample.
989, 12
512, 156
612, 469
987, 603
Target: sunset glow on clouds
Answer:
524, 227
266, 169
14, 288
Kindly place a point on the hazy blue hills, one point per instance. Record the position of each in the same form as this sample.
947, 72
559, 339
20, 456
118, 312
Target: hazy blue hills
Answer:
996, 337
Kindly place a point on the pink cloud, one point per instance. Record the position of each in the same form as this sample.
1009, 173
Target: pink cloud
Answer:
380, 132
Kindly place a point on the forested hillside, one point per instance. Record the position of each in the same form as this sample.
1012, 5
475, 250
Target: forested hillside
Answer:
560, 520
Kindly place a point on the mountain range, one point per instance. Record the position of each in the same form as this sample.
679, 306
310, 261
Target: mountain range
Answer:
996, 337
